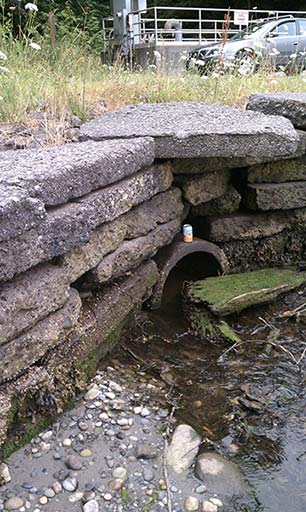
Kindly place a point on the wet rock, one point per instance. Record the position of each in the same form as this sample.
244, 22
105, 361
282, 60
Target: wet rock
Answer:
145, 451
49, 493
148, 474
57, 487
91, 506
191, 504
183, 448
5, 476
70, 484
14, 503
219, 475
116, 485
73, 462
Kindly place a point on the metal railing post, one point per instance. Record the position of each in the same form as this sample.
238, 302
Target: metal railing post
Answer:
200, 26
155, 25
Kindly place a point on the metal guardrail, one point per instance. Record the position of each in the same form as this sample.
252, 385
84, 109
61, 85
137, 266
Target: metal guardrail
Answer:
193, 25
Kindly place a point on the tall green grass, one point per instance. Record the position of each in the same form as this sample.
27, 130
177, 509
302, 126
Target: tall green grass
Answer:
71, 80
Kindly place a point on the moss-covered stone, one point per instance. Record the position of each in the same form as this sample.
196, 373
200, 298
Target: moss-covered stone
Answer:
225, 295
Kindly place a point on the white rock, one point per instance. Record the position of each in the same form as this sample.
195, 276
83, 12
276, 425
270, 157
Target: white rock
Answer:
13, 503
5, 476
120, 473
67, 442
92, 393
47, 435
216, 502
209, 507
145, 412
191, 504
110, 395
91, 506
183, 448
77, 496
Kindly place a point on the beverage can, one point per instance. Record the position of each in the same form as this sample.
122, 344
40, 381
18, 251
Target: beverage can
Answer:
187, 233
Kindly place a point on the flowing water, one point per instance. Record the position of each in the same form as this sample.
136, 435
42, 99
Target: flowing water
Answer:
248, 403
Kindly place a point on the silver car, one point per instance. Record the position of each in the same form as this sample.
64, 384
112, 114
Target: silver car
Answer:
279, 43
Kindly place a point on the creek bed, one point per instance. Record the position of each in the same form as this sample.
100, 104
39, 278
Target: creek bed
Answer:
248, 403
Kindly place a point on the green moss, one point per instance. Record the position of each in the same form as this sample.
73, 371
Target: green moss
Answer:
20, 435
228, 333
233, 293
201, 323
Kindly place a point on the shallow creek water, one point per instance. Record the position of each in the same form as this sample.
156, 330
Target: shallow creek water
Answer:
249, 404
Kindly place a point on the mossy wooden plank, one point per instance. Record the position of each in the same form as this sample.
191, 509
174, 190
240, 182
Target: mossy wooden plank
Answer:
230, 294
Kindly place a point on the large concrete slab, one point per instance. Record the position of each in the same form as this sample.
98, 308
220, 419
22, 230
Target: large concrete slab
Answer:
18, 212
242, 226
56, 175
137, 222
278, 172
274, 196
31, 297
22, 352
199, 130
132, 253
68, 226
290, 105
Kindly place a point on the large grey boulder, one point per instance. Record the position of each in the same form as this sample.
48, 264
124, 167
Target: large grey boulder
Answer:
278, 172
31, 297
137, 222
242, 226
132, 252
290, 105
70, 225
18, 212
22, 352
220, 476
199, 130
274, 196
56, 175
201, 189
183, 449
227, 203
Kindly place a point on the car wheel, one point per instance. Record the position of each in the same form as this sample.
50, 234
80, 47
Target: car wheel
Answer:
245, 63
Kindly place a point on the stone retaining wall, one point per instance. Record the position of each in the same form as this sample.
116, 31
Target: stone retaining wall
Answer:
80, 226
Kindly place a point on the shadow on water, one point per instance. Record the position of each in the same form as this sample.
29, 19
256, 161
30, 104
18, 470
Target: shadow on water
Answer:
249, 404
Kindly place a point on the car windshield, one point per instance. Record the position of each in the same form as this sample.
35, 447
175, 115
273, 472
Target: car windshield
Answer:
248, 31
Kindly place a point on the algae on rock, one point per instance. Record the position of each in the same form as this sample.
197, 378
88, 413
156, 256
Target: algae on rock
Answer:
230, 294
